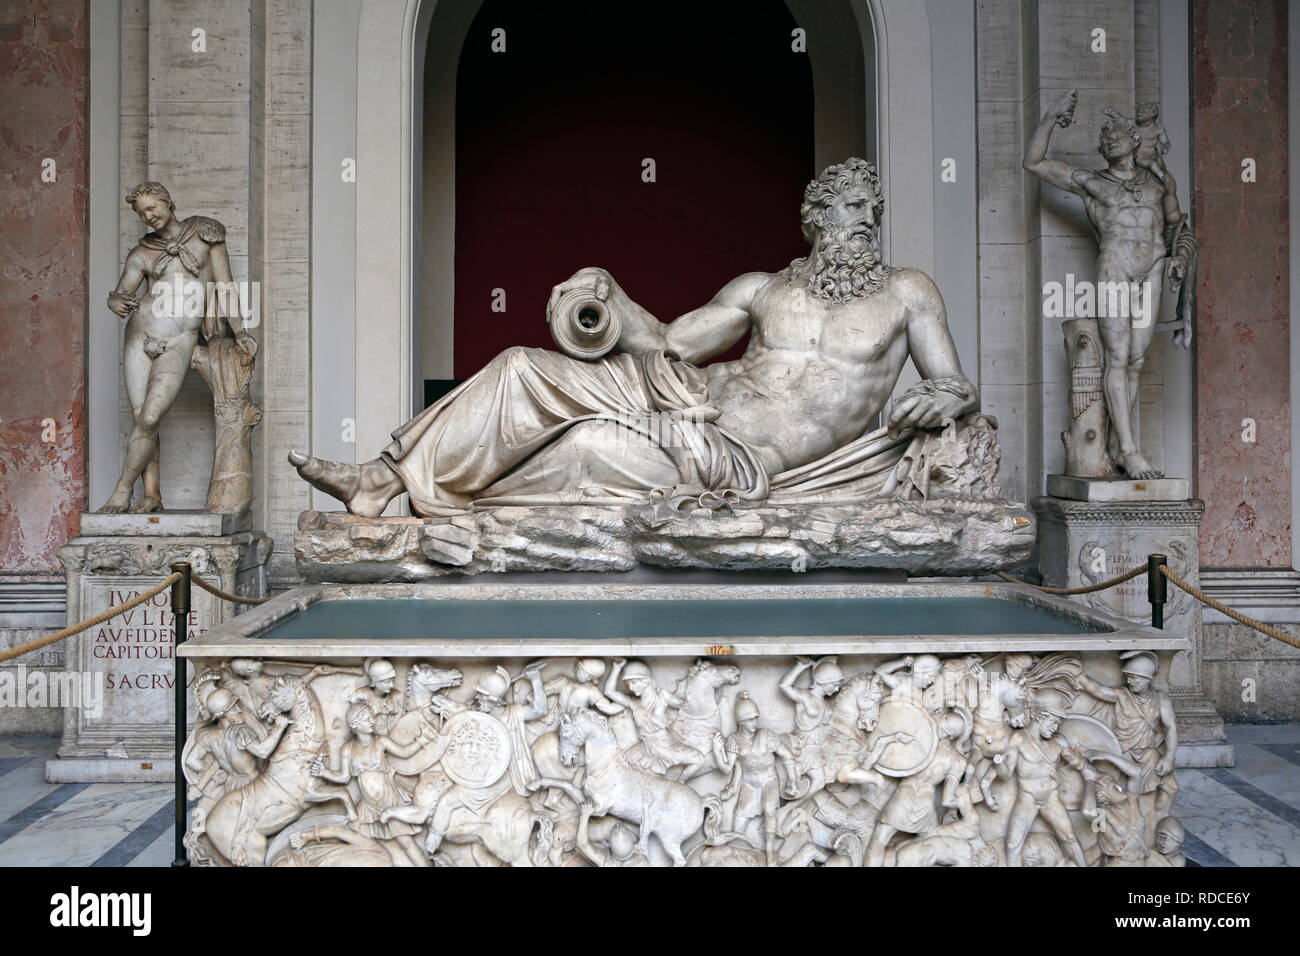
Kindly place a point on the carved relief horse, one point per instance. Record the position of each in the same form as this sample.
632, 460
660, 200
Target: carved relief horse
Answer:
664, 808
700, 719
424, 682
240, 823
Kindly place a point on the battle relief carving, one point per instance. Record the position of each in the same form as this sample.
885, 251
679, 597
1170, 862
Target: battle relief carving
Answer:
916, 761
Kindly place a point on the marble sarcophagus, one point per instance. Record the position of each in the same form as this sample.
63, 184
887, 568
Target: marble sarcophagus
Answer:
727, 724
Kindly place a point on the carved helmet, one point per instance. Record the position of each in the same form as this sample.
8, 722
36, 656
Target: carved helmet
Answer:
636, 669
494, 684
827, 671
220, 701
1140, 664
380, 668
590, 668
1048, 700
746, 709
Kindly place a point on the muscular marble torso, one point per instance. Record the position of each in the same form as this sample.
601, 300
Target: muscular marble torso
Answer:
1130, 224
815, 373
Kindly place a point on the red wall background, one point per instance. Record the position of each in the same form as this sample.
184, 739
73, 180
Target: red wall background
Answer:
44, 72
1243, 319
550, 138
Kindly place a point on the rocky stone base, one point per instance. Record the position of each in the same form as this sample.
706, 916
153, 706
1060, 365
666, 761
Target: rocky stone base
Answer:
952, 536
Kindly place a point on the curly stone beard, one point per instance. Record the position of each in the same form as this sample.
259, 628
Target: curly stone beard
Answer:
846, 265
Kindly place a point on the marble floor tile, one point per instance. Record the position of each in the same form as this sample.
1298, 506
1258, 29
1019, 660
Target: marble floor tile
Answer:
84, 827
1240, 829
1263, 733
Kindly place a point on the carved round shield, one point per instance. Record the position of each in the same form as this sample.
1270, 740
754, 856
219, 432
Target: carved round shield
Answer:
904, 759
479, 751
1080, 730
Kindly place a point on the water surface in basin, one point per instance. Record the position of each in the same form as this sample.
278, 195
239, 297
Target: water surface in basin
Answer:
405, 619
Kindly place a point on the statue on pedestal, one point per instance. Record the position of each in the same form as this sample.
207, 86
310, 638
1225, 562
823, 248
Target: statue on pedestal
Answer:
795, 415
187, 316
1144, 238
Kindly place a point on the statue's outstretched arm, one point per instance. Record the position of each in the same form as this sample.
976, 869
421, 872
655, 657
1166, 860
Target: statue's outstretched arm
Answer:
1053, 171
696, 336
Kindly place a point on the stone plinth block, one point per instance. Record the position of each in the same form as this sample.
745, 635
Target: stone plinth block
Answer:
1081, 543
934, 537
164, 524
119, 727
1116, 489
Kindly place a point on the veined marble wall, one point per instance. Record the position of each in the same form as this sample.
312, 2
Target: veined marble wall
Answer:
1244, 418
44, 68
44, 47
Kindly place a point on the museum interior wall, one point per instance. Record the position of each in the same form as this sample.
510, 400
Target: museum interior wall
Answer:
352, 173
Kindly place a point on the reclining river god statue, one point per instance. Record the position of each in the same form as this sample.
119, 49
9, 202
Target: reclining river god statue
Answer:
793, 418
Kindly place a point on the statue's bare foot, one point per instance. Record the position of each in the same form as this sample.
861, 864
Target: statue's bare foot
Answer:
365, 489
117, 504
147, 506
1137, 467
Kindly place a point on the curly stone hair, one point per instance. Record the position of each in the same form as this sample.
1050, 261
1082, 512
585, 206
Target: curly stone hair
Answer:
822, 191
1122, 124
157, 190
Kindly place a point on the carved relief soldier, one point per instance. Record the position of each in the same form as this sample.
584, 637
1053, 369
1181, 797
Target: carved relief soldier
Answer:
365, 761
378, 695
581, 690
1143, 720
1034, 759
649, 704
243, 677
922, 670
911, 809
1169, 844
750, 757
1121, 831
228, 753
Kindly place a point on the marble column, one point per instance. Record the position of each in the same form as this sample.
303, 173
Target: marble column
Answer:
1243, 415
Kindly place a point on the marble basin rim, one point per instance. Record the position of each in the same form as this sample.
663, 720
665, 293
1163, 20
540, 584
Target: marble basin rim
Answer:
241, 635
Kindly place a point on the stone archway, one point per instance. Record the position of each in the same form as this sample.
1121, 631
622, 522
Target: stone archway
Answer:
392, 47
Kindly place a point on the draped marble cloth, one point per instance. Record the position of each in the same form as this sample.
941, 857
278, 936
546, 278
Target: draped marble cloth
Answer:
536, 427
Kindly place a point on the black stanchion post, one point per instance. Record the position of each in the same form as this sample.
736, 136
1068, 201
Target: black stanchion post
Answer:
1157, 589
180, 622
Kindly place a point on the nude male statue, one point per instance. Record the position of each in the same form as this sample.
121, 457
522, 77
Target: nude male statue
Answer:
161, 332
829, 336
1143, 236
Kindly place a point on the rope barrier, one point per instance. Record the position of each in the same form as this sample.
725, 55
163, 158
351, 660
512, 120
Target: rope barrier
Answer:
90, 622
226, 595
1119, 579
113, 612
1266, 629
1237, 616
